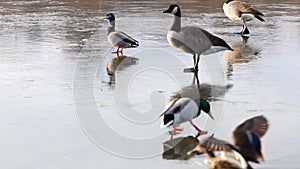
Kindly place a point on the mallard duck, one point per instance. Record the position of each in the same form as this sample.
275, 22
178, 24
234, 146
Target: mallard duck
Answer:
117, 38
192, 39
182, 110
241, 12
246, 146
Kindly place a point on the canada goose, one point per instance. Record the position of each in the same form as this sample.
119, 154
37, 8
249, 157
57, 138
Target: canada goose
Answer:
192, 39
182, 110
118, 38
241, 12
246, 146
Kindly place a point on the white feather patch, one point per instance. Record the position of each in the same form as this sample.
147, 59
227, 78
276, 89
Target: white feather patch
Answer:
174, 10
247, 17
214, 49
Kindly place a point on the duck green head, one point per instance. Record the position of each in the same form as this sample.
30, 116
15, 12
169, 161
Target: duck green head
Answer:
205, 106
110, 17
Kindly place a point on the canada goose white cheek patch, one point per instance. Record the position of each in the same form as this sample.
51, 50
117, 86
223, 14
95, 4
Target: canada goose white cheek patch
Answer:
174, 10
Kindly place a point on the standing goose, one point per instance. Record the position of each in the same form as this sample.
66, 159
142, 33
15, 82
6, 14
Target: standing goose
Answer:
192, 39
182, 110
247, 146
241, 12
118, 38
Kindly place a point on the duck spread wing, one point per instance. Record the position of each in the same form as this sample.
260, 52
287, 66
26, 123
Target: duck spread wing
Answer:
213, 144
258, 125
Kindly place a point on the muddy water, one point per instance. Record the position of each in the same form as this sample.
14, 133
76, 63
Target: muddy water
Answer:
60, 108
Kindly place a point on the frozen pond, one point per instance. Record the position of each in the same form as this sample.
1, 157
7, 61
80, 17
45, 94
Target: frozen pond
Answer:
60, 108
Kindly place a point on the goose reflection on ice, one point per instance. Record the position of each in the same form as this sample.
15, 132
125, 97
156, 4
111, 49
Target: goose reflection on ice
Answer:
242, 53
204, 90
177, 148
119, 64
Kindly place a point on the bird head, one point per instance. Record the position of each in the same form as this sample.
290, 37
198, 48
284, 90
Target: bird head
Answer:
205, 106
174, 9
110, 17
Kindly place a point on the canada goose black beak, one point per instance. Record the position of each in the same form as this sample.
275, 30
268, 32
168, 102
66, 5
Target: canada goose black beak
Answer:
167, 11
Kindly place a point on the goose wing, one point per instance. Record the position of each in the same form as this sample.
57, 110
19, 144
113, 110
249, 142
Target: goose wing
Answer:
200, 40
243, 8
194, 38
216, 41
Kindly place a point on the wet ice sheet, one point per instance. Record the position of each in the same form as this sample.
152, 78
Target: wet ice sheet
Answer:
45, 46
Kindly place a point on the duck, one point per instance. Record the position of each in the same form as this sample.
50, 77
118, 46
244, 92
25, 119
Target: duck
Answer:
192, 39
117, 38
246, 146
182, 110
241, 12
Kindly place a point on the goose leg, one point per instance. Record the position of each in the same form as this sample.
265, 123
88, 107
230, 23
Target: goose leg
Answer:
196, 65
195, 68
200, 132
194, 57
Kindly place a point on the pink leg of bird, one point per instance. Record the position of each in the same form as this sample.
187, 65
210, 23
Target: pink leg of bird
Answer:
200, 132
174, 130
117, 51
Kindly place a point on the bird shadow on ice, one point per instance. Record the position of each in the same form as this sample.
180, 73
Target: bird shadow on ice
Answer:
177, 148
202, 90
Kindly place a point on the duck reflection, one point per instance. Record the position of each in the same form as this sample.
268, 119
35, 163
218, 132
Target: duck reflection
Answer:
178, 148
242, 53
119, 63
203, 90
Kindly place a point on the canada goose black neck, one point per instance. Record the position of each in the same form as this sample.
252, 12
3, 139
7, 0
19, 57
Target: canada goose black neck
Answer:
175, 9
176, 26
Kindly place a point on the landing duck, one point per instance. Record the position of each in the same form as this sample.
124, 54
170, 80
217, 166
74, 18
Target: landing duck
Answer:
246, 146
182, 110
192, 39
241, 12
117, 38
